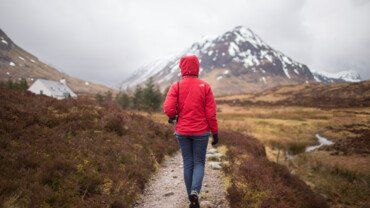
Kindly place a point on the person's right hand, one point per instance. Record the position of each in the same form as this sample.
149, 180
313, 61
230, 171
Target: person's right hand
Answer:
215, 139
171, 120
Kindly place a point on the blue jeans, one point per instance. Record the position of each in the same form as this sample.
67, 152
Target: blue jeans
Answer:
193, 150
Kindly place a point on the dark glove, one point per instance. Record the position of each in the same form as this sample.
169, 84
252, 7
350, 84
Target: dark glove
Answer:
172, 120
215, 139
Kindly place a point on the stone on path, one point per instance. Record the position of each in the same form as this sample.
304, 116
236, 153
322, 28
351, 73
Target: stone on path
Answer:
207, 204
215, 165
169, 194
211, 151
214, 156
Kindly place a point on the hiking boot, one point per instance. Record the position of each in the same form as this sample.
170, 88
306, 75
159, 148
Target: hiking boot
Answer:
194, 199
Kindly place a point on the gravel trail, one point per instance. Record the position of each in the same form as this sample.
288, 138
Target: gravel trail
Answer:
166, 189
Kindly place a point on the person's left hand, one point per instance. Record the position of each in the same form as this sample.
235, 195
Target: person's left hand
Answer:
215, 139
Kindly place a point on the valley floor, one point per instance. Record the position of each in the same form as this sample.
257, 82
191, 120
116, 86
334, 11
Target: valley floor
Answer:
75, 153
339, 172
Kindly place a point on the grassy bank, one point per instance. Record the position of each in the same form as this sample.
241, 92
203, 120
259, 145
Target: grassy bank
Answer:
339, 172
254, 181
74, 153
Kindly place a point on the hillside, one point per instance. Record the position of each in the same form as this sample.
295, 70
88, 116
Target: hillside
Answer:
75, 153
237, 61
310, 95
16, 63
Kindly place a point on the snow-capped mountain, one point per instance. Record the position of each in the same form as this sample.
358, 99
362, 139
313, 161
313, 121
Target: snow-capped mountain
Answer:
343, 76
237, 61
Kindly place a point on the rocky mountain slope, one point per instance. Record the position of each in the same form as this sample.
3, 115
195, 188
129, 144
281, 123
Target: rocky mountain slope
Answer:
235, 62
16, 63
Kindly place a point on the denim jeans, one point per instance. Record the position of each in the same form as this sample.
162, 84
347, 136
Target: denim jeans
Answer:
193, 150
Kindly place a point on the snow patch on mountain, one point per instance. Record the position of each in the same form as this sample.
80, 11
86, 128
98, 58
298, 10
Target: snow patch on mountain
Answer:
343, 76
145, 72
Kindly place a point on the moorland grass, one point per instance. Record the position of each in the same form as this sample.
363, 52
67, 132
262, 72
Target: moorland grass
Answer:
75, 153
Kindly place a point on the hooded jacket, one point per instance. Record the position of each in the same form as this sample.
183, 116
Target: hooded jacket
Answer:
192, 100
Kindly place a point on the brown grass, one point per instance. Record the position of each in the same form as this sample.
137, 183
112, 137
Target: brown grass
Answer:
343, 182
74, 153
257, 182
292, 128
309, 95
287, 128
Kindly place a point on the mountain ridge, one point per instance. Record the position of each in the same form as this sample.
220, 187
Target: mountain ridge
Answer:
16, 63
342, 76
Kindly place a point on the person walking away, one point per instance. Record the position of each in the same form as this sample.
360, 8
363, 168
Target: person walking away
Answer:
191, 105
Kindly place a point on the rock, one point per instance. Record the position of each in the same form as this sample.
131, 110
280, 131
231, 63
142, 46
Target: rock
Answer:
207, 204
174, 176
214, 156
212, 151
215, 165
168, 194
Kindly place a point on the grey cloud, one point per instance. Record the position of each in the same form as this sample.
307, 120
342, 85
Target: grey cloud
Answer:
105, 41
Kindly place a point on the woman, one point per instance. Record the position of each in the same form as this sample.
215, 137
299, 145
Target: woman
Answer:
191, 104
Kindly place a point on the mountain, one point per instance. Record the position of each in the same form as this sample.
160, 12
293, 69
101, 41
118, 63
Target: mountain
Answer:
343, 76
237, 61
16, 63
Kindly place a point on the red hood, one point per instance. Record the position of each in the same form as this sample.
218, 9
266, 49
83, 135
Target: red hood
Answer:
189, 65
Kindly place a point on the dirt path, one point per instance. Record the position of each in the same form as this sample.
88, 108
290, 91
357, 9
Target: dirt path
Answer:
167, 189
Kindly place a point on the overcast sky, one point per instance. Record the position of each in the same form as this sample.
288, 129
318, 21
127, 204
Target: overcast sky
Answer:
104, 41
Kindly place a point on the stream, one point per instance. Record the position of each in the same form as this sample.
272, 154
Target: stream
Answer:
322, 142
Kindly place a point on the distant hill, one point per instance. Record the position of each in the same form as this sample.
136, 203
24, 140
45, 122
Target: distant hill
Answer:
16, 63
235, 62
311, 95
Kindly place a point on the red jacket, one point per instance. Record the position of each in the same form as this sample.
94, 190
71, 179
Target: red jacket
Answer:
192, 100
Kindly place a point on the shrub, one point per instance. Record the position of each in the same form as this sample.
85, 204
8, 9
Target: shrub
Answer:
10, 84
123, 99
75, 153
115, 124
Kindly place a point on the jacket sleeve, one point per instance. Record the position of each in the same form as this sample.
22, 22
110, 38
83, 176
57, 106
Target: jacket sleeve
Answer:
170, 104
211, 109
